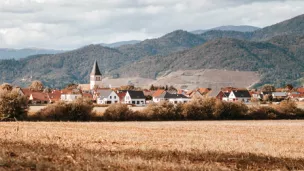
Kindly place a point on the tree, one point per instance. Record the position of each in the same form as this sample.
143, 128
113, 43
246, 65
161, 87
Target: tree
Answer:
71, 86
36, 86
152, 87
12, 105
47, 90
289, 87
268, 88
6, 87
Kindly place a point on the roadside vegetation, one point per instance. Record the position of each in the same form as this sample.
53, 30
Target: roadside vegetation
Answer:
197, 109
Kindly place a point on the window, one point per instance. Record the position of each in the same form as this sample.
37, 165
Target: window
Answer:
133, 102
98, 79
110, 97
137, 102
114, 97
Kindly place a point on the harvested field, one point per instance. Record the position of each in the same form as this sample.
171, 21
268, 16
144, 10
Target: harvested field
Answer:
216, 145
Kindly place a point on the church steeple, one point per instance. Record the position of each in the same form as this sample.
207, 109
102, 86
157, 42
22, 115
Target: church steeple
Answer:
95, 70
95, 77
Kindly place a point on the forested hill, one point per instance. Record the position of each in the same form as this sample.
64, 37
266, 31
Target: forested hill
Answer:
276, 64
276, 52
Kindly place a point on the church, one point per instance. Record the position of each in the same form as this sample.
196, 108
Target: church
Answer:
95, 79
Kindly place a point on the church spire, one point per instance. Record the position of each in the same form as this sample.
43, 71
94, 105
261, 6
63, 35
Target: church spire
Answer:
95, 70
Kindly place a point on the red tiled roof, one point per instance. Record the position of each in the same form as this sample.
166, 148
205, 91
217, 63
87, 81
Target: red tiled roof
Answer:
203, 90
40, 96
26, 91
301, 90
158, 93
55, 95
121, 95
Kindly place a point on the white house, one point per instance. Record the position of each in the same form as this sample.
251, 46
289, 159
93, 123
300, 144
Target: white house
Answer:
158, 96
173, 98
135, 97
70, 95
177, 98
279, 95
107, 97
240, 96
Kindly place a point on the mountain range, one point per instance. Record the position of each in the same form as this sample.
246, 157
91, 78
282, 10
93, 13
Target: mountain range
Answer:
6, 53
242, 28
275, 52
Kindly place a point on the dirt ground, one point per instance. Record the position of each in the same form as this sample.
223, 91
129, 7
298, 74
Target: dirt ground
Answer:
204, 145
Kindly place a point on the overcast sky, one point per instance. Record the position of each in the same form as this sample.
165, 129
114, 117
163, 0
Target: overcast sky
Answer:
68, 24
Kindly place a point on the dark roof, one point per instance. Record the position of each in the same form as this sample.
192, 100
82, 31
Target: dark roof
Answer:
175, 96
95, 70
137, 94
226, 94
241, 93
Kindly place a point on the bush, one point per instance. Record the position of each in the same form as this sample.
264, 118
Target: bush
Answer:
288, 110
229, 110
79, 110
264, 112
121, 112
163, 111
200, 109
12, 105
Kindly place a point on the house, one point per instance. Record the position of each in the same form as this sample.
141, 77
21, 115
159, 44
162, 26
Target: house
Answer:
35, 97
55, 96
173, 98
300, 90
296, 97
176, 98
121, 96
107, 97
70, 95
135, 97
39, 98
223, 95
240, 96
279, 95
156, 97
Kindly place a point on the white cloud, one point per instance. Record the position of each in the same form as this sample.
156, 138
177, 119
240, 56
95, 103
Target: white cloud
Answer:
66, 24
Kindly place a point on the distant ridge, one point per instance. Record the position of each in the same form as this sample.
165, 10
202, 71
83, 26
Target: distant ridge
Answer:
118, 44
242, 28
6, 53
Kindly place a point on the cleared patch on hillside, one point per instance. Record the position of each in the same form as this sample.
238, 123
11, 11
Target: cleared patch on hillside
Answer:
191, 79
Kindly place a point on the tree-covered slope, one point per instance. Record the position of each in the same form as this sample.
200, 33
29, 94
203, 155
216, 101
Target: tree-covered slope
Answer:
276, 65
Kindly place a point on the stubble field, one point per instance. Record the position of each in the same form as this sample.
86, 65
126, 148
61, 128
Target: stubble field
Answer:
206, 145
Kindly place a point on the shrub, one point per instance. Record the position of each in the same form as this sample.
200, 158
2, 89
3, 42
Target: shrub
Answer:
200, 109
163, 111
263, 112
12, 105
79, 110
121, 112
288, 109
229, 110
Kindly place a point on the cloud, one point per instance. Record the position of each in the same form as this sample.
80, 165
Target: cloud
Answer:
65, 24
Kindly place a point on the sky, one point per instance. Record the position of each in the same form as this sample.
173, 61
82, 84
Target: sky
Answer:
70, 24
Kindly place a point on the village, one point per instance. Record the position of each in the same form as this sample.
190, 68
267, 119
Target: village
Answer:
130, 95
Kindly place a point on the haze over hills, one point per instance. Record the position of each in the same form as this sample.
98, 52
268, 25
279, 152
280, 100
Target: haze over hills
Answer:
242, 28
275, 52
6, 53
118, 44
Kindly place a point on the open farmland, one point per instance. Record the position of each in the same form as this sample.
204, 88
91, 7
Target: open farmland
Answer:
216, 145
